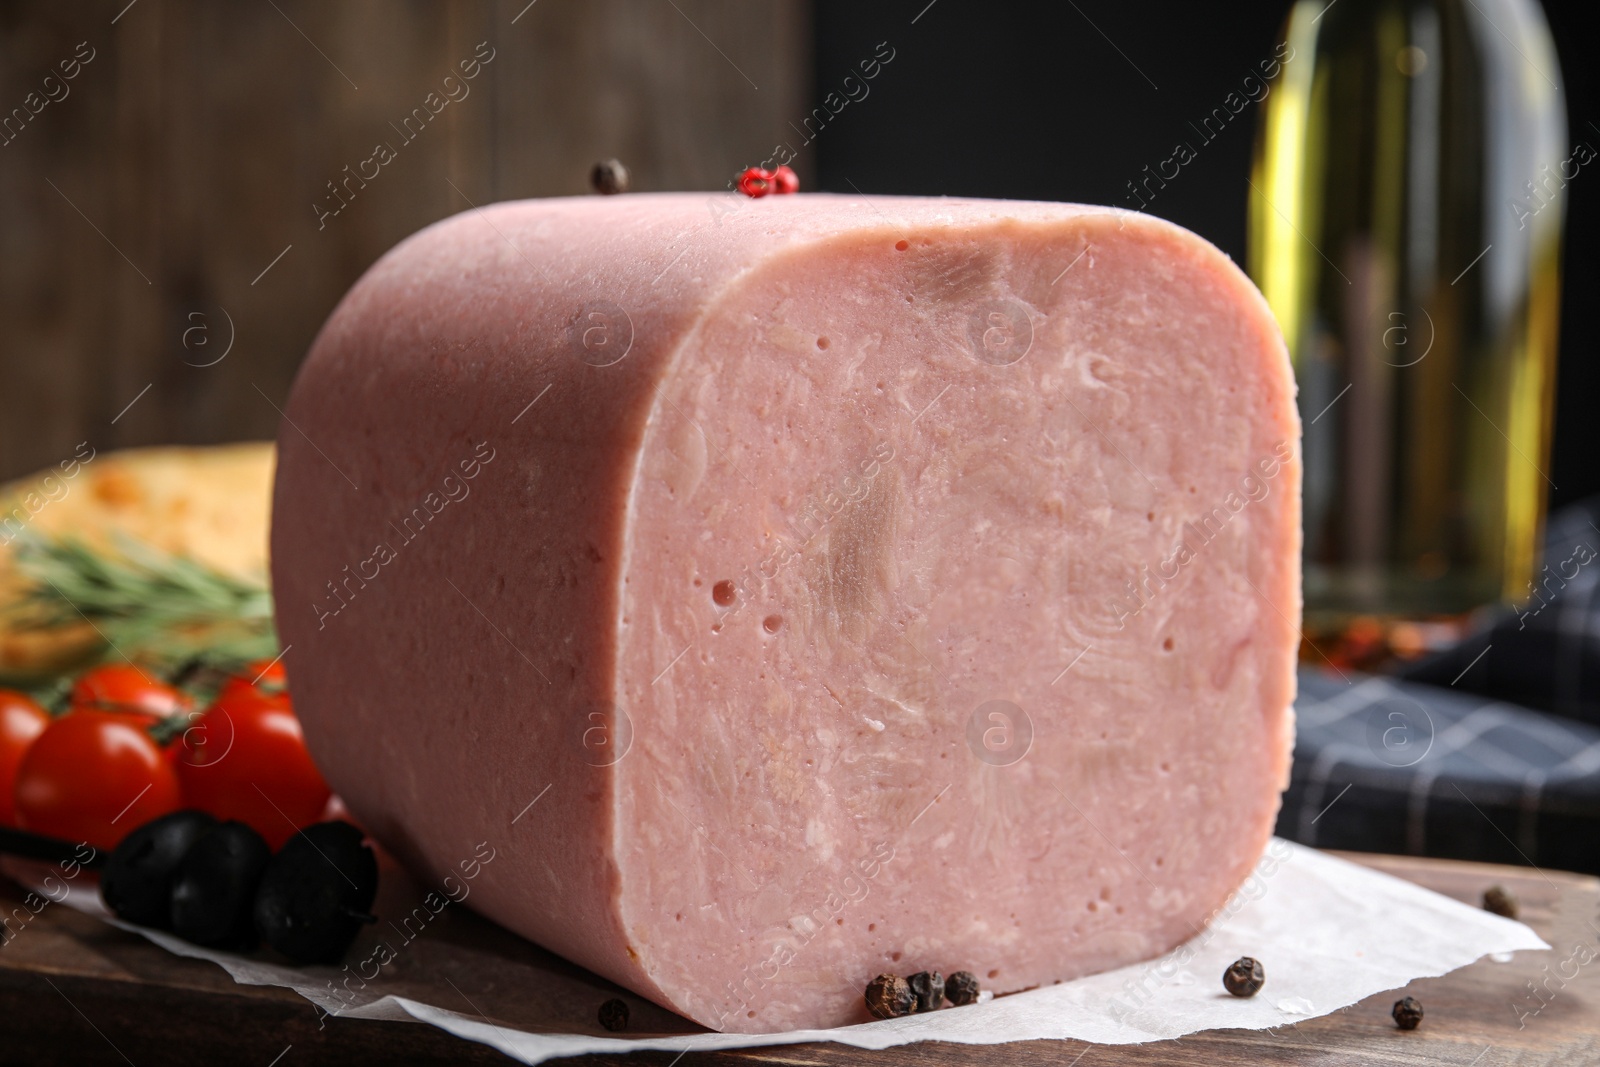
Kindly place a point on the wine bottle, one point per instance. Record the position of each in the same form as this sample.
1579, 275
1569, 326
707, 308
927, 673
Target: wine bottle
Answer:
1406, 205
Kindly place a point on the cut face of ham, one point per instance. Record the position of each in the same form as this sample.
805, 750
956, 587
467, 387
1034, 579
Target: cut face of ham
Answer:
802, 592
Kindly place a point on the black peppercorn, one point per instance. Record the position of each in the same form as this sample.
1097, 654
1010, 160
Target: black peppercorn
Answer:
609, 177
1498, 900
889, 997
614, 1015
928, 988
961, 988
1244, 977
1407, 1013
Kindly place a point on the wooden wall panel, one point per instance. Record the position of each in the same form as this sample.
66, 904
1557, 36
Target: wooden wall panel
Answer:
196, 142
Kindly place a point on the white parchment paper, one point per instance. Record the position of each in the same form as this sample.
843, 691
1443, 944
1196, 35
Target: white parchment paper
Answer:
1329, 933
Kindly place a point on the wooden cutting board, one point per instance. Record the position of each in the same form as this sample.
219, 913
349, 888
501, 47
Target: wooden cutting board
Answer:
74, 990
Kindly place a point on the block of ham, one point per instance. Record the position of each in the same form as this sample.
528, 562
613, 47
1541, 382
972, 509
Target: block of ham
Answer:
796, 590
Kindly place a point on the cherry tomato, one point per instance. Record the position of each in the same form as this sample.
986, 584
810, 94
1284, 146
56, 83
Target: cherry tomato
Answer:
124, 687
267, 676
94, 776
266, 673
246, 759
21, 721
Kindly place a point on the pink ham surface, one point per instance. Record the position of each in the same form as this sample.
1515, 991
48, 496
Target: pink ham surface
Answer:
804, 487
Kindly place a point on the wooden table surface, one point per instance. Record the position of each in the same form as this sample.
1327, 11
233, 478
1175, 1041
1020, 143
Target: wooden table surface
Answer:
76, 991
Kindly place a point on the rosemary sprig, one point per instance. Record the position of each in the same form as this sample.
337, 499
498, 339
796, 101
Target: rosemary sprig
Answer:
148, 606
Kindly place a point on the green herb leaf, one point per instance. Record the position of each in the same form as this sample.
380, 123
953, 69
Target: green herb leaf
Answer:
149, 607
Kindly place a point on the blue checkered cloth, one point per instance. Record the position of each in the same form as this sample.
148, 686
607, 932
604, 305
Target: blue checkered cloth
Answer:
1489, 751
1547, 655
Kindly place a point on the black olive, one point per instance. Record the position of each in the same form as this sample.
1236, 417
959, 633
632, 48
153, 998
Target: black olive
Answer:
137, 882
215, 889
316, 892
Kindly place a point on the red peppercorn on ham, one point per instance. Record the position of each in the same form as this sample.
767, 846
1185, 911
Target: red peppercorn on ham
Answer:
798, 590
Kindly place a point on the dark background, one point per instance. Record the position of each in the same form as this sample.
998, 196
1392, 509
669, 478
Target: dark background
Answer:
1033, 101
